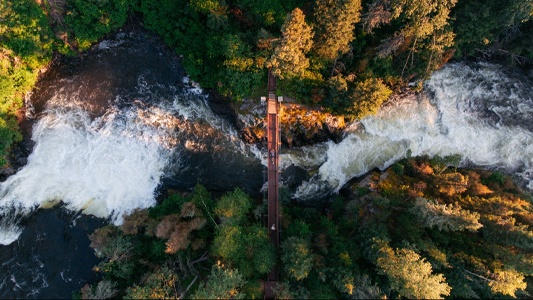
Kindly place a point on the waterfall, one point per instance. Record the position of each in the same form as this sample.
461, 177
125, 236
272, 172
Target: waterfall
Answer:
480, 111
105, 166
110, 131
112, 164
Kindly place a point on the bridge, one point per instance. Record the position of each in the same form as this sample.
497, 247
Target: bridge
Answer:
273, 147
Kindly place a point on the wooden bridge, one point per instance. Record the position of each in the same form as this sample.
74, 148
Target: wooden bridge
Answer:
273, 146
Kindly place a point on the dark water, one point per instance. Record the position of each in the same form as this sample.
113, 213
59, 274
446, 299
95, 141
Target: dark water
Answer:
51, 258
111, 130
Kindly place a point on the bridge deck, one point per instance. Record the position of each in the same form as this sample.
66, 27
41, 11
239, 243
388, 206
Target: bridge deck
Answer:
273, 176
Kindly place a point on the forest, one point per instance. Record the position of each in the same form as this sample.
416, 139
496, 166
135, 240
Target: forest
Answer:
424, 228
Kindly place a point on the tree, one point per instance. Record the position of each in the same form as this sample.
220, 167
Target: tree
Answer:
368, 96
378, 13
480, 24
288, 59
335, 22
104, 289
409, 274
246, 248
296, 257
118, 261
365, 289
445, 217
26, 45
507, 282
160, 284
241, 73
425, 28
233, 207
222, 283
90, 20
506, 230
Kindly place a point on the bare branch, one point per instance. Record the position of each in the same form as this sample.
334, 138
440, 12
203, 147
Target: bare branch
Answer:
378, 14
390, 45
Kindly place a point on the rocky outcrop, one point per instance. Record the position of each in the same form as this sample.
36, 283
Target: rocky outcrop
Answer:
300, 125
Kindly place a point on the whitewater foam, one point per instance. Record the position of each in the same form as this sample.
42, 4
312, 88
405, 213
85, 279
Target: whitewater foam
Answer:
109, 165
450, 118
105, 167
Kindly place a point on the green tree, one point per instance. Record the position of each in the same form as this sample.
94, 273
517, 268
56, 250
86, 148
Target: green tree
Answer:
235, 244
490, 25
241, 74
296, 257
507, 282
425, 33
368, 96
288, 59
89, 20
26, 46
246, 248
445, 217
335, 22
205, 6
160, 284
233, 207
508, 231
119, 263
409, 274
222, 283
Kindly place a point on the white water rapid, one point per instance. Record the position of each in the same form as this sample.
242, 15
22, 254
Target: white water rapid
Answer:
482, 112
109, 165
91, 165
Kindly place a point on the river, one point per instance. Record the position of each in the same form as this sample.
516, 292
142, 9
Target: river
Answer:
113, 129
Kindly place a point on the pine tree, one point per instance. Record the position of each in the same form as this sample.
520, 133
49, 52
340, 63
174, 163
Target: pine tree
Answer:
233, 207
335, 23
425, 28
507, 282
368, 97
222, 283
445, 217
288, 59
296, 257
409, 274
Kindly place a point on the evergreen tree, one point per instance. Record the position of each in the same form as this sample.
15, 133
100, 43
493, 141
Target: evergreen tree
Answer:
445, 217
222, 283
367, 97
335, 22
489, 23
246, 248
233, 207
506, 230
409, 274
365, 289
296, 257
161, 284
507, 282
288, 59
425, 32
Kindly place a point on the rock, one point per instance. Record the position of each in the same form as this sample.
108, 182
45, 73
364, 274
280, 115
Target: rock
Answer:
7, 171
300, 125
